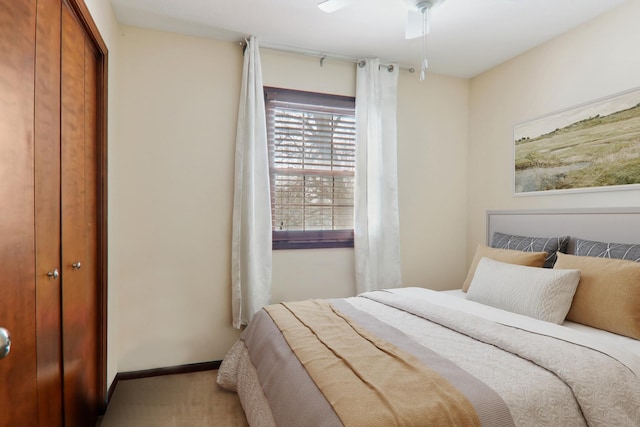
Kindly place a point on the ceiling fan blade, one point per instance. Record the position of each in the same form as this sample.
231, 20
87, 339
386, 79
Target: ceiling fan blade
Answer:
414, 25
330, 6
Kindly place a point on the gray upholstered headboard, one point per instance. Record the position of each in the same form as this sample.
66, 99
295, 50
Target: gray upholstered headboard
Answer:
619, 225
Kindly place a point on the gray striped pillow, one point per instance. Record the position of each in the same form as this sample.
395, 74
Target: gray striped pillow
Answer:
550, 245
608, 250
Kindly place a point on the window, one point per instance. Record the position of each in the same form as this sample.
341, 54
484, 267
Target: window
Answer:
312, 164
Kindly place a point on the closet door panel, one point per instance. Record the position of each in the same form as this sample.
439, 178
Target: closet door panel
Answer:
78, 181
18, 392
72, 200
47, 212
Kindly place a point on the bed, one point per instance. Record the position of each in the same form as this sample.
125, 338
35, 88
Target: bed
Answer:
518, 345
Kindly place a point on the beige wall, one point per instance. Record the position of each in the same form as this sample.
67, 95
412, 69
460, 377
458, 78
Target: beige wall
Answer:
177, 107
596, 60
172, 192
432, 177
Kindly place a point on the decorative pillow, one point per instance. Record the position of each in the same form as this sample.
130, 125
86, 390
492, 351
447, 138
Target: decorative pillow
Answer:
608, 296
532, 259
550, 245
541, 293
607, 250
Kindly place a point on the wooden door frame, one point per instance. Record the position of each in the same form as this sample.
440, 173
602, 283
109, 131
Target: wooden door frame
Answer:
81, 11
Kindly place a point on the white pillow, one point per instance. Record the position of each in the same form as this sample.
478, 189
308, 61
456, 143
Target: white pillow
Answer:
541, 293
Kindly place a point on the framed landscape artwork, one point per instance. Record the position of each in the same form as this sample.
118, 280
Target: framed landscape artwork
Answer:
590, 147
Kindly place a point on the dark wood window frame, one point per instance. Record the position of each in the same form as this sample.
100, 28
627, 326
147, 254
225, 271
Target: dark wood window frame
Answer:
308, 101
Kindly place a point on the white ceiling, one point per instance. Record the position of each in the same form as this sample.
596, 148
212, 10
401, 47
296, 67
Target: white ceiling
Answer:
467, 36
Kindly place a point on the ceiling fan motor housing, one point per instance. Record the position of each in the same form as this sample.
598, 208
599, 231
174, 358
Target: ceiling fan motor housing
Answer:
421, 5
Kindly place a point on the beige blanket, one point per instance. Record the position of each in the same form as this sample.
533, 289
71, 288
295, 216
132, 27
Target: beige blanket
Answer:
358, 373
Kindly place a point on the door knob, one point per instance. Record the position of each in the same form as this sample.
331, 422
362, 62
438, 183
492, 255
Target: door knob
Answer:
5, 343
55, 274
76, 265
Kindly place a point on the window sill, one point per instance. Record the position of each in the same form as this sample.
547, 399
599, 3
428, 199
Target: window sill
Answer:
312, 239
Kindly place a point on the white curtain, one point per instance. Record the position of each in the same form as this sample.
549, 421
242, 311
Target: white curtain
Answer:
251, 239
376, 228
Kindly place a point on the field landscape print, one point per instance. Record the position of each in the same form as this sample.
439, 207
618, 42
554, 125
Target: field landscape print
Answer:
591, 146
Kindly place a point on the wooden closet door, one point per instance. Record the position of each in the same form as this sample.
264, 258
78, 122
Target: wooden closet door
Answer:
79, 182
47, 213
18, 392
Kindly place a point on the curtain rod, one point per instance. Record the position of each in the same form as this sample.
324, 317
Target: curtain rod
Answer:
322, 56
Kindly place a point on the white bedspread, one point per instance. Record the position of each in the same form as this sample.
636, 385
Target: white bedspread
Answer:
552, 382
625, 350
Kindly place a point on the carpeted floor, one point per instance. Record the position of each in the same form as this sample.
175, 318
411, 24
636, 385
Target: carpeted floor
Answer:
185, 400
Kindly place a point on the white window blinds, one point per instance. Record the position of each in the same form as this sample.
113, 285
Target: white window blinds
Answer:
312, 154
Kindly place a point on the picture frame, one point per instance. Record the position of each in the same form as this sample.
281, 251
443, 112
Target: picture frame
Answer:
589, 147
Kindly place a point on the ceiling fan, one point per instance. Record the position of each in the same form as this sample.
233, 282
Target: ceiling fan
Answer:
417, 13
418, 21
